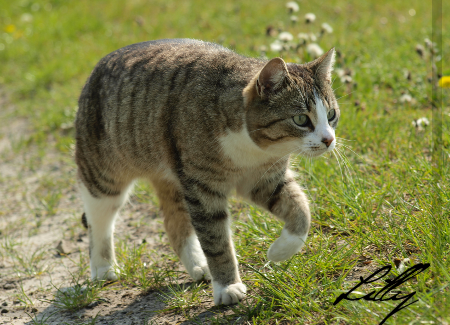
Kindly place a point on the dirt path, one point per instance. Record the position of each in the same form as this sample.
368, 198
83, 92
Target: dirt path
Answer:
41, 207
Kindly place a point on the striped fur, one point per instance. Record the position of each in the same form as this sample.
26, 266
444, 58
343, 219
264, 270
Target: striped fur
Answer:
198, 120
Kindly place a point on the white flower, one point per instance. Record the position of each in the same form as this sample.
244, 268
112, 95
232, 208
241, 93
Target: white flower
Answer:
303, 36
26, 17
292, 6
327, 28
312, 37
346, 79
294, 19
420, 50
340, 72
310, 18
428, 43
405, 98
314, 50
285, 37
421, 123
276, 46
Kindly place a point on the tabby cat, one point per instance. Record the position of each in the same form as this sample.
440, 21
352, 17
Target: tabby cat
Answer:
198, 120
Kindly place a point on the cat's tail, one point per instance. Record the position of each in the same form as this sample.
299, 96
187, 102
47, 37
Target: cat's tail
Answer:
84, 221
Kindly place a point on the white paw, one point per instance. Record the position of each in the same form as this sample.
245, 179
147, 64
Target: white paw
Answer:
104, 273
230, 294
286, 246
194, 259
199, 273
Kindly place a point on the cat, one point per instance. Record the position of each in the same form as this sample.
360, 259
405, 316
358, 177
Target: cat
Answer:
198, 120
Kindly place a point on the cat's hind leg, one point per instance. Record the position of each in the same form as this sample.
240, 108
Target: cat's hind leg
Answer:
179, 229
100, 215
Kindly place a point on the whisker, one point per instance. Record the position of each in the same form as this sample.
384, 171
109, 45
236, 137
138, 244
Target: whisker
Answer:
333, 81
345, 162
349, 148
340, 168
344, 96
310, 166
349, 165
337, 87
344, 139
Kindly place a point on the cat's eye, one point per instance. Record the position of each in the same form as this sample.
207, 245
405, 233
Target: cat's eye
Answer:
301, 120
331, 114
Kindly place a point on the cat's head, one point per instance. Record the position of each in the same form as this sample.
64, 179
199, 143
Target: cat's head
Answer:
292, 107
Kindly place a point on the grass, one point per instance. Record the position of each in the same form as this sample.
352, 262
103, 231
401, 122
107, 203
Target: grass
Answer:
372, 203
77, 296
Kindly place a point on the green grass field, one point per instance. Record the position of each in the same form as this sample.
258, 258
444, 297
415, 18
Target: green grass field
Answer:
374, 203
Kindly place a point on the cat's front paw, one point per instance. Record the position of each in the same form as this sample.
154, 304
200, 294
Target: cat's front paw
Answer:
104, 273
286, 246
230, 294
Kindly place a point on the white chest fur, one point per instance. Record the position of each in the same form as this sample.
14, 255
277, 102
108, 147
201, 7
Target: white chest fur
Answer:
243, 152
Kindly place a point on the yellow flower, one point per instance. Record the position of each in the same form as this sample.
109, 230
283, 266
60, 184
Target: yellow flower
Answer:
10, 28
444, 82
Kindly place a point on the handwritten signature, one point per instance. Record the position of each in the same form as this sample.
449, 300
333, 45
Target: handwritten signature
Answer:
390, 285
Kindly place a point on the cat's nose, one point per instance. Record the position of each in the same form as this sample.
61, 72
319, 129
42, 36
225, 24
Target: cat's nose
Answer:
328, 141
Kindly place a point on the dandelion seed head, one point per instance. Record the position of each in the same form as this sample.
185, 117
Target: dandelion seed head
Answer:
310, 18
405, 98
420, 123
270, 31
412, 12
340, 72
314, 50
423, 121
420, 50
285, 37
303, 36
292, 6
312, 37
294, 19
346, 79
326, 28
428, 43
276, 46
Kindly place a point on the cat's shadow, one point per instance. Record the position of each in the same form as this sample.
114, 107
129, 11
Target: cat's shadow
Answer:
116, 307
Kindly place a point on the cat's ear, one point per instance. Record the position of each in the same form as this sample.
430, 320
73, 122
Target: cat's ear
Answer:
323, 66
271, 77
